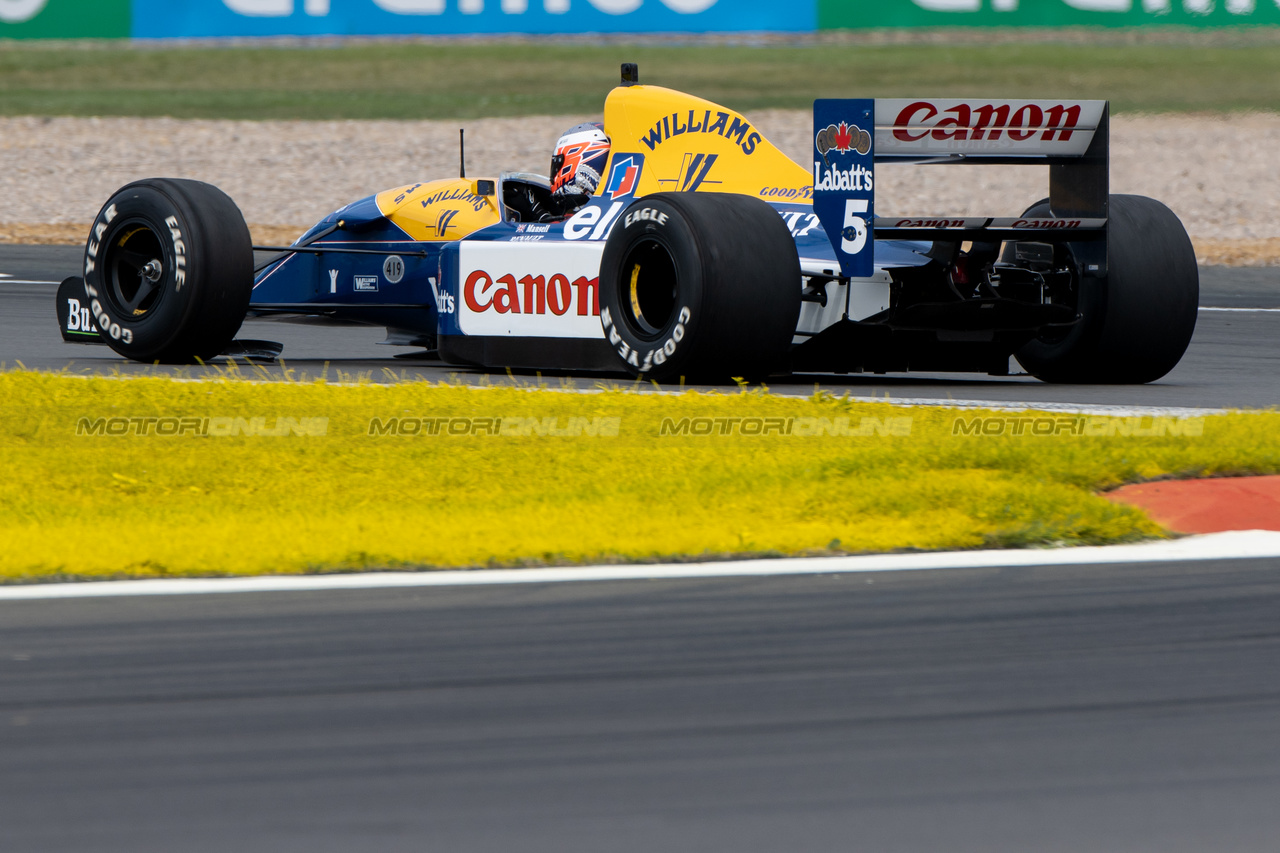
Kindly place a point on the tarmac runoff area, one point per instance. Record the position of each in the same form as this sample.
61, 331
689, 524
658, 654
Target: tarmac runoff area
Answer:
1053, 708
1231, 363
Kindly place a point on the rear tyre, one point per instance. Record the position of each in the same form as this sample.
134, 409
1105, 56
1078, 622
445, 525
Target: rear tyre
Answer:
169, 271
1136, 323
704, 286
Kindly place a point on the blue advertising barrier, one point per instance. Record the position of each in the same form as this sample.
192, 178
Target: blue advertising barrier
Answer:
205, 18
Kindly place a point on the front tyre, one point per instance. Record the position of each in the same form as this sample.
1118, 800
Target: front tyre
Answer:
1136, 323
700, 285
169, 271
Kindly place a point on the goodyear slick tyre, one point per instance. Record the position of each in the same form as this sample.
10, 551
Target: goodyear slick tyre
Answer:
703, 286
1136, 323
169, 271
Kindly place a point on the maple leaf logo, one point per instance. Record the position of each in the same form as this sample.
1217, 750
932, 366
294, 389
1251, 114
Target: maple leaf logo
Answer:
843, 138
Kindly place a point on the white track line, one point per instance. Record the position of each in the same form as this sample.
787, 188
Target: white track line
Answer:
7, 280
1236, 545
1042, 406
1245, 310
905, 402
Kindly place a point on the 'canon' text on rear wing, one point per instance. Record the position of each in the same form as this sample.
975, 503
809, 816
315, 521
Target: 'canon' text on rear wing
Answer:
1071, 137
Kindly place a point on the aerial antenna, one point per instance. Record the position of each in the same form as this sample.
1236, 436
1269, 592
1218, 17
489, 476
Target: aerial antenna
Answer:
462, 153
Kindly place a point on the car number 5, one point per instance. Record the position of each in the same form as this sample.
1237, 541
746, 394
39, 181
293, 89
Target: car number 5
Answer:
854, 233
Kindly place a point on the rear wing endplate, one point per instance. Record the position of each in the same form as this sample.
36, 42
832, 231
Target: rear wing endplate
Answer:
852, 135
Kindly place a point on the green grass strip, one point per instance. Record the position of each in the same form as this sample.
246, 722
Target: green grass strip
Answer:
470, 79
515, 477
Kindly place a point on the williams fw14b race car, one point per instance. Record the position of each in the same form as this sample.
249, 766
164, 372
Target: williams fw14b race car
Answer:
704, 252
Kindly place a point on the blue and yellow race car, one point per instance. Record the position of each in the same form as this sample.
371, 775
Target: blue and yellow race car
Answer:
704, 252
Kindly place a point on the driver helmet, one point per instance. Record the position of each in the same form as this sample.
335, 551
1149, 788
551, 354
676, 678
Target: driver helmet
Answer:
579, 158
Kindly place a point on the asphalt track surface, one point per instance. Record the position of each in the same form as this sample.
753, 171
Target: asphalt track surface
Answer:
1233, 360
1121, 707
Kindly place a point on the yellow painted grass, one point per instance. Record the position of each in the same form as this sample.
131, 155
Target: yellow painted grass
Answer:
94, 506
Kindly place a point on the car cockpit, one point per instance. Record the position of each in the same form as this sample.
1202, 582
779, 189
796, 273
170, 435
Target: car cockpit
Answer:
526, 197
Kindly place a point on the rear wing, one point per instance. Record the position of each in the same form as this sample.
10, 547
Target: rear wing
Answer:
852, 135
1009, 131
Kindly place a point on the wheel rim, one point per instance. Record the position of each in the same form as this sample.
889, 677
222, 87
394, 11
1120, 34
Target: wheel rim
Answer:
650, 286
135, 268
